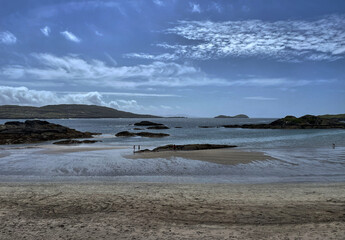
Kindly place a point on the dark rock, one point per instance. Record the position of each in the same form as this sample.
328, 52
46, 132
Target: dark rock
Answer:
291, 122
207, 126
33, 131
138, 129
147, 123
71, 141
159, 127
141, 134
125, 134
189, 147
152, 135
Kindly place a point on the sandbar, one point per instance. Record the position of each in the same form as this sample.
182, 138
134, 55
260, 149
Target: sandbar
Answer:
226, 156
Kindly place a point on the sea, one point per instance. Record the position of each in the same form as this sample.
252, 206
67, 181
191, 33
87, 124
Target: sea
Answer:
299, 155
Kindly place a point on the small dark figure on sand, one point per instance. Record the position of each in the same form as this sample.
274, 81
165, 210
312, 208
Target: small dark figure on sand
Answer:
133, 148
333, 145
138, 147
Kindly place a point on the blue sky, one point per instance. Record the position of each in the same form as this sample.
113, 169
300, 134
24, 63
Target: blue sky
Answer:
263, 58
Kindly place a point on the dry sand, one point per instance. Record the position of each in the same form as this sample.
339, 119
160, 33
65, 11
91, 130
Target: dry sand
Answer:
172, 211
220, 156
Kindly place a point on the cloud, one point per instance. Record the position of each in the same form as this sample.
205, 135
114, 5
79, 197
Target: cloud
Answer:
25, 96
7, 38
158, 2
259, 98
289, 40
195, 8
70, 36
46, 31
160, 57
99, 33
73, 69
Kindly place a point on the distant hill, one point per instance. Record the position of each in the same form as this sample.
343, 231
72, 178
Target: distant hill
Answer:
236, 116
65, 111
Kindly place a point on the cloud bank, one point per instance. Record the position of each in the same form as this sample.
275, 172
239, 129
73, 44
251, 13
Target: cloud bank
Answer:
25, 96
290, 40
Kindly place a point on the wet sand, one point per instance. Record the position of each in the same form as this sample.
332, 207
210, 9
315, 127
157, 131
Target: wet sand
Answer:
4, 155
52, 149
172, 211
219, 156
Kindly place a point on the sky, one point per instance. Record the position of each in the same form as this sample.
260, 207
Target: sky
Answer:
263, 58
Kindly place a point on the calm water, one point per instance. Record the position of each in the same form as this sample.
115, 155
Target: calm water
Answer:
302, 155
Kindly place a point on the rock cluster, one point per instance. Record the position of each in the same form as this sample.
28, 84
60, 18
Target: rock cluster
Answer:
33, 131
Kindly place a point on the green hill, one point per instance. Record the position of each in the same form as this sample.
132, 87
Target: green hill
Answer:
65, 111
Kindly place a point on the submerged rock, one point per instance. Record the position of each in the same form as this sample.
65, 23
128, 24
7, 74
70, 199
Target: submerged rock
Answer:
125, 134
33, 131
188, 147
152, 135
159, 127
292, 122
71, 141
147, 123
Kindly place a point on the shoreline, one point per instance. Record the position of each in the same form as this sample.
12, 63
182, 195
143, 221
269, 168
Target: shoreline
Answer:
172, 211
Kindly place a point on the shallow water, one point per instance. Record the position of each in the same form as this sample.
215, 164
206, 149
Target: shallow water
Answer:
302, 155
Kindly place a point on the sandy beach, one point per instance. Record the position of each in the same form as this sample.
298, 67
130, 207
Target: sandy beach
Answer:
219, 156
171, 211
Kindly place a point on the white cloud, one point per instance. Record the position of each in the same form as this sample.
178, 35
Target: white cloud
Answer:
46, 31
70, 36
289, 40
7, 38
195, 7
259, 98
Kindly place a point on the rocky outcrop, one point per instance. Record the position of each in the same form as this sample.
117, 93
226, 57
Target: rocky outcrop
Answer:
72, 141
33, 131
158, 127
291, 122
236, 116
141, 134
147, 123
188, 147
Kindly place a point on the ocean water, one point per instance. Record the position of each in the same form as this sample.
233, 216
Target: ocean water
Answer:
300, 155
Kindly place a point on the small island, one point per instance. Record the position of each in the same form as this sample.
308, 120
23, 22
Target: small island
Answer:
292, 122
236, 116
